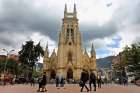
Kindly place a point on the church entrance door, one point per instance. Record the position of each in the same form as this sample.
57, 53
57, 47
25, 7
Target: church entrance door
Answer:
53, 74
70, 75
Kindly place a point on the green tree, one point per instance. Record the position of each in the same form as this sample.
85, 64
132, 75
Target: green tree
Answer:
132, 58
129, 60
30, 54
11, 66
2, 64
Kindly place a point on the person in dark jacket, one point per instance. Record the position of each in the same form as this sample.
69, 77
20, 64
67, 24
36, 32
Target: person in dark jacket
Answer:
84, 78
57, 81
92, 80
32, 82
99, 80
62, 81
42, 84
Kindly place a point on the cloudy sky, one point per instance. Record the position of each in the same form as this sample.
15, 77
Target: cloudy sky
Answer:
109, 24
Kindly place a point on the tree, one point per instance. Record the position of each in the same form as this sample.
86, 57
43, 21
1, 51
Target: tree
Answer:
2, 64
11, 66
30, 54
129, 60
132, 58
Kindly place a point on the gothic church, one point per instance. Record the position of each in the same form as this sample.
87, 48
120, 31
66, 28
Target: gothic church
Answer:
70, 59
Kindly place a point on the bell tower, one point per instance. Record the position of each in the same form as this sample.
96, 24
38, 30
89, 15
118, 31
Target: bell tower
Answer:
69, 47
70, 26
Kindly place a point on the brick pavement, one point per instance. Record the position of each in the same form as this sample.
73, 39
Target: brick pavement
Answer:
69, 89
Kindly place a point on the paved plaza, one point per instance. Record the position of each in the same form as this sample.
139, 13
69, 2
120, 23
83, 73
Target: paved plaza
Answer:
69, 89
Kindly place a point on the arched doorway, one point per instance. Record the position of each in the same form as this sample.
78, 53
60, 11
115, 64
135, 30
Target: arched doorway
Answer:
52, 74
69, 75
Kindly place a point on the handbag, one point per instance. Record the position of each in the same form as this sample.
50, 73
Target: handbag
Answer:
81, 83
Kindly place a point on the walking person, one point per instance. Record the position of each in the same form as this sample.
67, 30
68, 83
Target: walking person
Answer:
32, 82
42, 84
84, 78
92, 80
26, 80
62, 81
120, 80
99, 80
57, 81
125, 81
14, 79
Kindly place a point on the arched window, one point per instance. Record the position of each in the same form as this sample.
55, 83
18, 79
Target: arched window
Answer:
69, 57
72, 34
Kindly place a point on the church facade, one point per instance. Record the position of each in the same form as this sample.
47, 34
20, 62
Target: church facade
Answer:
70, 58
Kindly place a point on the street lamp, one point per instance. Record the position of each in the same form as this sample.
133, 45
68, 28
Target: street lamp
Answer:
8, 52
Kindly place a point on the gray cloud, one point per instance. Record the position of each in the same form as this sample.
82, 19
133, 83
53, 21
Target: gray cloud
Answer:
128, 13
23, 17
96, 31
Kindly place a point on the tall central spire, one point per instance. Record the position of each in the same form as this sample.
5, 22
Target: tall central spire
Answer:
74, 11
74, 8
65, 8
65, 11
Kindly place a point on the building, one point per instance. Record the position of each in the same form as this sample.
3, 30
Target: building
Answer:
14, 58
11, 57
70, 58
2, 58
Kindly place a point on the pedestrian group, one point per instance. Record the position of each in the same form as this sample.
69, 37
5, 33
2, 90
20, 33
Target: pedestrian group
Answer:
86, 77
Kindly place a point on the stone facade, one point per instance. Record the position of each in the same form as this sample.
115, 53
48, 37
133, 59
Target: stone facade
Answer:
70, 58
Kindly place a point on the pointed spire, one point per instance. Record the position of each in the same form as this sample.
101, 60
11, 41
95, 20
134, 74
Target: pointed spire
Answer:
53, 53
92, 50
54, 50
65, 11
47, 50
65, 8
74, 11
74, 8
85, 51
47, 45
86, 54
